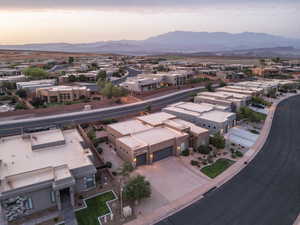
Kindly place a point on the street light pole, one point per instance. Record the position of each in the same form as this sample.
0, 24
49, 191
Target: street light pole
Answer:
121, 198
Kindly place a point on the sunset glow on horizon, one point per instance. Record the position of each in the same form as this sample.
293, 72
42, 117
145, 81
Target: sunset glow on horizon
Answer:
90, 24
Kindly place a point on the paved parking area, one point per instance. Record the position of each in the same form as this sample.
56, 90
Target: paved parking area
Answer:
170, 179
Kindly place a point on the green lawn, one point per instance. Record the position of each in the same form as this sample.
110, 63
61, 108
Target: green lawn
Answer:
217, 168
96, 207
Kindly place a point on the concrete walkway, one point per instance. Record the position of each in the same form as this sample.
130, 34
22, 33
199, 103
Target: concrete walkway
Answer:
68, 211
198, 193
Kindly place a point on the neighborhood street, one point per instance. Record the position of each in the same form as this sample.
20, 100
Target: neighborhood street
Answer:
267, 191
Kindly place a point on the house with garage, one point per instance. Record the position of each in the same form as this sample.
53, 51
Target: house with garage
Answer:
204, 115
150, 138
232, 100
43, 170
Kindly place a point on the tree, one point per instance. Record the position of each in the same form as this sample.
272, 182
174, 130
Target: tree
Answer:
137, 189
276, 60
222, 83
8, 85
21, 93
204, 149
209, 87
20, 106
71, 60
127, 168
35, 73
82, 78
102, 76
72, 78
262, 62
36, 102
148, 108
109, 90
217, 141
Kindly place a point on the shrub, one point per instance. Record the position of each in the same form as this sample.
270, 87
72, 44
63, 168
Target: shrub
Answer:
114, 173
185, 153
109, 121
20, 106
210, 160
217, 141
108, 164
204, 149
233, 155
194, 163
100, 150
239, 154
21, 93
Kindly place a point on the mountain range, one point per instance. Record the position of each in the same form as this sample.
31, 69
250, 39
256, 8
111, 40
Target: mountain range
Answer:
174, 42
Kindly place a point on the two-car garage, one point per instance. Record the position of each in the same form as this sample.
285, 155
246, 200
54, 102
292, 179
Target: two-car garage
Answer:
162, 154
157, 155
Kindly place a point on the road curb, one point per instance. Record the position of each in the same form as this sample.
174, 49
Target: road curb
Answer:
190, 198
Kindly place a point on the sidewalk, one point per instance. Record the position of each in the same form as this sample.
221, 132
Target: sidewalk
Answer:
197, 194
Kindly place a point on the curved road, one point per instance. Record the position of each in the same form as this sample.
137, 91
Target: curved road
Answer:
16, 126
267, 191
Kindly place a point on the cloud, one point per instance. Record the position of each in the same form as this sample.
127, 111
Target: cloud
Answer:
119, 4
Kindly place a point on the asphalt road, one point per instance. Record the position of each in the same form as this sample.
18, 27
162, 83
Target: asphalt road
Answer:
267, 191
16, 126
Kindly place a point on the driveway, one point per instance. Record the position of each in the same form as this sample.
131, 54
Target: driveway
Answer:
170, 179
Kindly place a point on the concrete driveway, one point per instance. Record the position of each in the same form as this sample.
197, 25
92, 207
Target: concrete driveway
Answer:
170, 179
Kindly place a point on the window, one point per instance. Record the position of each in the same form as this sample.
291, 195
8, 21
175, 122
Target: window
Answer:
28, 204
89, 181
52, 197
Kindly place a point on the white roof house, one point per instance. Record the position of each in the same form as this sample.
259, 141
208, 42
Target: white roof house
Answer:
204, 115
33, 85
43, 156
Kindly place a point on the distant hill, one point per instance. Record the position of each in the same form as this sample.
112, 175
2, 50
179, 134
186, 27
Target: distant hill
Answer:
177, 42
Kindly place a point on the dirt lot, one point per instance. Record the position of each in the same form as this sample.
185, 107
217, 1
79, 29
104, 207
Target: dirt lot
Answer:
7, 55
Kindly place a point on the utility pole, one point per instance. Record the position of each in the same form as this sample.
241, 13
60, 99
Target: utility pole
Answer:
121, 198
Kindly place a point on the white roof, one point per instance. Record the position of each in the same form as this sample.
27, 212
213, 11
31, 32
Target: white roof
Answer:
150, 137
129, 127
63, 88
198, 108
155, 119
22, 166
37, 82
157, 135
217, 116
242, 137
193, 127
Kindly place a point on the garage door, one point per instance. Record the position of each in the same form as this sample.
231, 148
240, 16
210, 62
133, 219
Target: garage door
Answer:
141, 160
162, 154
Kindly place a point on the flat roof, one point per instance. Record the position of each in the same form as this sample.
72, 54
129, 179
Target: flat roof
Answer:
215, 99
63, 88
18, 158
199, 108
157, 135
129, 127
193, 127
155, 119
152, 136
35, 82
216, 115
222, 94
46, 137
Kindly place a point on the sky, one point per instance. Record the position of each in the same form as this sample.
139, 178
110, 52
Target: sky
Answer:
82, 21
